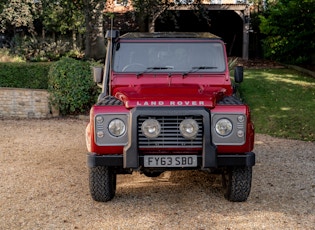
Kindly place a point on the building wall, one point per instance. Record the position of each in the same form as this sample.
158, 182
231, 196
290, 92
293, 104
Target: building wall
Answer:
123, 6
24, 103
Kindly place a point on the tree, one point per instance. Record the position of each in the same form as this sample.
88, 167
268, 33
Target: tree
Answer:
147, 11
78, 17
94, 17
64, 17
18, 14
289, 29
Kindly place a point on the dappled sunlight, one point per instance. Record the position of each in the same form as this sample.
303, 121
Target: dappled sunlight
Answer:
278, 116
5, 56
285, 108
291, 79
261, 108
265, 108
282, 75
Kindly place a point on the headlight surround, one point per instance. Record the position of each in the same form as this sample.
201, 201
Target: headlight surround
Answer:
224, 127
189, 128
111, 129
116, 127
229, 128
151, 128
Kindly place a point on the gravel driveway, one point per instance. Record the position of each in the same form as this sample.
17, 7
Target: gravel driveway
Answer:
44, 185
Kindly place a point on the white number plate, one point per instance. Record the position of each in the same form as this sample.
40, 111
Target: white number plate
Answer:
170, 161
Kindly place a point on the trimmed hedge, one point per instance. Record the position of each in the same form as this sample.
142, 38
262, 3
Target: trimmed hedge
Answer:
24, 75
71, 86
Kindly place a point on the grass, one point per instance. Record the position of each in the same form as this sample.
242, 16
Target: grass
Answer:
282, 102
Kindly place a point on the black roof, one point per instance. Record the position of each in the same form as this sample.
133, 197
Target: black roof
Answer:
206, 35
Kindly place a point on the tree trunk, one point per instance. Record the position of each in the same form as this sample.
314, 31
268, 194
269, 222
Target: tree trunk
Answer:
74, 40
43, 34
154, 18
142, 22
94, 40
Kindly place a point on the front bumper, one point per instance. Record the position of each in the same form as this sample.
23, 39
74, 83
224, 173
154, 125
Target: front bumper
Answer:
247, 159
131, 158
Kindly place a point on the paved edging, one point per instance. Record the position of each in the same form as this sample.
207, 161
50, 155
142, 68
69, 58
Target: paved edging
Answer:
302, 70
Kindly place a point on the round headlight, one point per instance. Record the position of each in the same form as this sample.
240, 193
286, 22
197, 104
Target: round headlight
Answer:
151, 128
223, 127
117, 127
189, 128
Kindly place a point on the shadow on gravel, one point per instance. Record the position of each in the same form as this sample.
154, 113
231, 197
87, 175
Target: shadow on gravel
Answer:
170, 186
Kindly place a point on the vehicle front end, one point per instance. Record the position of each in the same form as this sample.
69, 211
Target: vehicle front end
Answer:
155, 117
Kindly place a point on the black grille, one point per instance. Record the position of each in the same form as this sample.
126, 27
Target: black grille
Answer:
170, 136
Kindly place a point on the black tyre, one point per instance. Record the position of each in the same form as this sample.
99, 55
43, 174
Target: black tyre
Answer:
237, 183
102, 181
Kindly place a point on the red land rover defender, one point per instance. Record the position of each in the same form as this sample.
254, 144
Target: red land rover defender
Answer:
168, 103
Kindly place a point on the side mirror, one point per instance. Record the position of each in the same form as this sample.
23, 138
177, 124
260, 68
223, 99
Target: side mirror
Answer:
98, 74
238, 74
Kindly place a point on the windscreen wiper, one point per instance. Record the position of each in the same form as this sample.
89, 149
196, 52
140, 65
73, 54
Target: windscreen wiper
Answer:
197, 68
150, 69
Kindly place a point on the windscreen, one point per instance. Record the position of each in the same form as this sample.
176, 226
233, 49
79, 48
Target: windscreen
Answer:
185, 57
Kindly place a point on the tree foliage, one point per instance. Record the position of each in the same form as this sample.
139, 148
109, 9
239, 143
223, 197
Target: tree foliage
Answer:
63, 16
70, 18
290, 32
18, 14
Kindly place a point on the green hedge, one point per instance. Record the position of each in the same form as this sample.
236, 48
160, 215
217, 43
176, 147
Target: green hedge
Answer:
69, 82
71, 86
24, 75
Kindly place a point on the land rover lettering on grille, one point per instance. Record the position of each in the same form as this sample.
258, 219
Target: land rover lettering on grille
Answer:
168, 103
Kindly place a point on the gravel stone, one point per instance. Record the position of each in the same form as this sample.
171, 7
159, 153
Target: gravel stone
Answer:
44, 185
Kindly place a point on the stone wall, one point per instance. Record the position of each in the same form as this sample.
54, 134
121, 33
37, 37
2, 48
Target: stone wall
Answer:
24, 103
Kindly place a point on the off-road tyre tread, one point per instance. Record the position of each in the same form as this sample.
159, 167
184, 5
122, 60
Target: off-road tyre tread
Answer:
102, 183
239, 183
